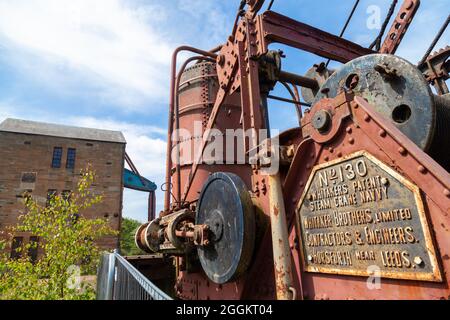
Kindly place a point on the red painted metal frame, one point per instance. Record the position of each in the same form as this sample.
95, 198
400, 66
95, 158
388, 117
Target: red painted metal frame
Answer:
274, 27
171, 117
356, 127
363, 129
400, 26
238, 66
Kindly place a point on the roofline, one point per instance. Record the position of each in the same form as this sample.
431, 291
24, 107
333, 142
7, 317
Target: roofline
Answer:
36, 128
61, 137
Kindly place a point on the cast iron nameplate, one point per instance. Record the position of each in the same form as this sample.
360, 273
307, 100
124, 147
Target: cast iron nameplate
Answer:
359, 217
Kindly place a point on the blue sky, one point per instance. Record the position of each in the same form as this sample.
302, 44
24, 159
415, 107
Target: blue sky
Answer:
106, 63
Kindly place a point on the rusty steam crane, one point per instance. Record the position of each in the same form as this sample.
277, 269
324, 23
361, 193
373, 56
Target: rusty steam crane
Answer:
362, 188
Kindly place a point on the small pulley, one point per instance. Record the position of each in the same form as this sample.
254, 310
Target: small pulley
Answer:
226, 207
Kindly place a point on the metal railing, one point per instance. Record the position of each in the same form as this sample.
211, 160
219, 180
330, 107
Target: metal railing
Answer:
117, 279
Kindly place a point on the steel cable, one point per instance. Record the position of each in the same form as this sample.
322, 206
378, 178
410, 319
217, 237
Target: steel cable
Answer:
435, 41
377, 42
346, 25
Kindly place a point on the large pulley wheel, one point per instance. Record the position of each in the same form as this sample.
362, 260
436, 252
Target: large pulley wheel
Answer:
396, 88
226, 207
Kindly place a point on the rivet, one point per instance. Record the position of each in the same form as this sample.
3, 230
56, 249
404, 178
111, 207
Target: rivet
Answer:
447, 193
422, 169
349, 130
418, 260
402, 151
382, 133
326, 158
384, 181
331, 150
310, 257
339, 154
366, 118
351, 141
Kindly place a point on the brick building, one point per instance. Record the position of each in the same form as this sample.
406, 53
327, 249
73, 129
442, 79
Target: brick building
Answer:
44, 158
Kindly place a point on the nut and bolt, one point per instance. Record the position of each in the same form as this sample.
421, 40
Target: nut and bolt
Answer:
422, 169
321, 120
221, 60
418, 260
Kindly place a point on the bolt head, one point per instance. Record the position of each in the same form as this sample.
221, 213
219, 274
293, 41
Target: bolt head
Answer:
402, 151
221, 60
447, 193
321, 120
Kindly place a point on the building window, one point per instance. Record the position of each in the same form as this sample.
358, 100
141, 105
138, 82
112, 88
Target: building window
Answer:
51, 193
66, 195
33, 249
57, 155
71, 153
16, 247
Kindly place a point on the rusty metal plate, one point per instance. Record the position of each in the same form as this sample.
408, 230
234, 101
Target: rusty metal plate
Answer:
359, 217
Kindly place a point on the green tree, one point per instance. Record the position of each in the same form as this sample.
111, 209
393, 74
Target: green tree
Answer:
67, 241
127, 232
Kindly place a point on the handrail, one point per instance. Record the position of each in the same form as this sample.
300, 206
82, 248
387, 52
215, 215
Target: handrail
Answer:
120, 280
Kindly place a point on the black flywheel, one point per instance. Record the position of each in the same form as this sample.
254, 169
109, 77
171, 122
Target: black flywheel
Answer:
226, 206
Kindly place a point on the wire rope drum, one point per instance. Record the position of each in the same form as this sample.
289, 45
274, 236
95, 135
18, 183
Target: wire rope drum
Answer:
398, 91
226, 207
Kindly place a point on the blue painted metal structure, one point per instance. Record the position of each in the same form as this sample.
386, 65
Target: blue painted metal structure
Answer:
134, 181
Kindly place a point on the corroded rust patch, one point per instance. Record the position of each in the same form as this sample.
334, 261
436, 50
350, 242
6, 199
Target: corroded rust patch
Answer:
359, 217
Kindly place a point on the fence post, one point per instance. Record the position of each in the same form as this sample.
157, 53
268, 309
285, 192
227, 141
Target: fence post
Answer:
111, 276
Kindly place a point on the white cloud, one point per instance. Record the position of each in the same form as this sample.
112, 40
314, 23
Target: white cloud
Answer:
109, 45
147, 150
145, 144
